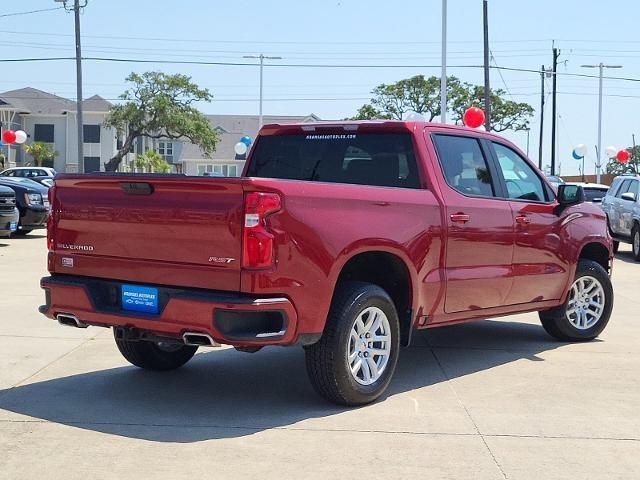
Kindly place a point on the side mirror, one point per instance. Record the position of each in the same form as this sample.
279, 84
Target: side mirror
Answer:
629, 196
570, 195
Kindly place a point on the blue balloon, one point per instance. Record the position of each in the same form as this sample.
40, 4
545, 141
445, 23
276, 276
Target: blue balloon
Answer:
576, 156
246, 140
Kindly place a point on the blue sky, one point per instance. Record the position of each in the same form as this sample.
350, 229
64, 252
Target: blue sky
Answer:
348, 32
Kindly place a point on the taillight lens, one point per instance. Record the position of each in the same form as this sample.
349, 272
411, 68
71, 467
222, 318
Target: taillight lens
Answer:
51, 225
257, 241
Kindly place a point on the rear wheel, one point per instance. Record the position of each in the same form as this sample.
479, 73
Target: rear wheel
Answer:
586, 312
635, 242
353, 362
155, 355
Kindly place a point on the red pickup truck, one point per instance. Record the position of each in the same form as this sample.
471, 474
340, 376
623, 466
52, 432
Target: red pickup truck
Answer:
342, 237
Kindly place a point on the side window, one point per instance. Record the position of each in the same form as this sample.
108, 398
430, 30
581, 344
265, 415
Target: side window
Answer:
624, 188
613, 190
463, 165
634, 187
520, 178
20, 173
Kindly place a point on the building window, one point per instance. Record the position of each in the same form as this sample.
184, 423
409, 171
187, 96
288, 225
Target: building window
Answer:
43, 133
165, 149
91, 133
219, 170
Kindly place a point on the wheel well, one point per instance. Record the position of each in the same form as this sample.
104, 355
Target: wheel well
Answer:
389, 272
596, 252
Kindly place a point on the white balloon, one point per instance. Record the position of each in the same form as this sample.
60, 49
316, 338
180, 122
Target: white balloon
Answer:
611, 151
482, 128
240, 148
415, 117
581, 150
21, 136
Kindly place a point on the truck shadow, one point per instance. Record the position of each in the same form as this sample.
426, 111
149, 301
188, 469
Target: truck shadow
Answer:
224, 393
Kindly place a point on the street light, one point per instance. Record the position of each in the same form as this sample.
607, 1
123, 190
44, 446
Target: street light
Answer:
601, 66
262, 59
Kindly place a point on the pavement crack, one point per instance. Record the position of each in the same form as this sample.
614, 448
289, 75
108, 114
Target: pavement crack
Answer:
466, 410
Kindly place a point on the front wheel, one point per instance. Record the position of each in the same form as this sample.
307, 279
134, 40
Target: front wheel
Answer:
155, 355
354, 360
586, 312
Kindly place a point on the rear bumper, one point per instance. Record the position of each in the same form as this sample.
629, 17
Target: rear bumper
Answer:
228, 318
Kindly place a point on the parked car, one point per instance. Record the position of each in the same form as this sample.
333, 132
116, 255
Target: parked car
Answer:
9, 215
555, 181
28, 172
32, 202
593, 192
621, 204
344, 238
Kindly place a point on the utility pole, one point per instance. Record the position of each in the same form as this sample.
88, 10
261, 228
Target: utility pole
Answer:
601, 66
542, 73
262, 58
487, 90
77, 5
554, 71
443, 74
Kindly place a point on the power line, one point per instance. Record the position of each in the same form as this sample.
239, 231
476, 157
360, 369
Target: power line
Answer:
30, 12
300, 65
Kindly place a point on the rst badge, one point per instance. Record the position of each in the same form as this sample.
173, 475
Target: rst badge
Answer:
223, 260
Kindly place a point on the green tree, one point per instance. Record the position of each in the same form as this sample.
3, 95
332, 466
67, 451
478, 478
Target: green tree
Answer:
159, 105
369, 112
416, 94
41, 152
505, 114
151, 161
632, 166
422, 95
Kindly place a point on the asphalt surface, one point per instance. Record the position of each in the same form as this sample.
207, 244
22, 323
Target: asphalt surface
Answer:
490, 400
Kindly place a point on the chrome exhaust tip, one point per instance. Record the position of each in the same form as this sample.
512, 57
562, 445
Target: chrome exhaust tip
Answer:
197, 339
69, 320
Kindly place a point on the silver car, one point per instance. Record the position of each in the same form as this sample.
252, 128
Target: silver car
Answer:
622, 206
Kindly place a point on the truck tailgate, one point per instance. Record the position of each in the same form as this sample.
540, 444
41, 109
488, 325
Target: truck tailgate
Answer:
172, 230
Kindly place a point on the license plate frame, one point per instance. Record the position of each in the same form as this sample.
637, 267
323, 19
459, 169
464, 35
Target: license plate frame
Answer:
139, 298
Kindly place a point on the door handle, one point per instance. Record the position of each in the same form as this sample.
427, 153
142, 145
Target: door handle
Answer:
459, 218
523, 220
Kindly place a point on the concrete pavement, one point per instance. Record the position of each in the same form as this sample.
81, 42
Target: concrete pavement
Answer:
490, 400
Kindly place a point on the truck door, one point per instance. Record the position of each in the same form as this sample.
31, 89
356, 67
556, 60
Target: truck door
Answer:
479, 225
539, 271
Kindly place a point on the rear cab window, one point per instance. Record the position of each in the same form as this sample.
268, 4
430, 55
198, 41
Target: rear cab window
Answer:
379, 159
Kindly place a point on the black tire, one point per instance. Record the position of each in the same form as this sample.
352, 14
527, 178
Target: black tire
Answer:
616, 246
151, 356
635, 242
555, 320
22, 232
327, 360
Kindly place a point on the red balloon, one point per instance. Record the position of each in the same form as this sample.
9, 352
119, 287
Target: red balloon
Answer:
622, 156
8, 137
473, 117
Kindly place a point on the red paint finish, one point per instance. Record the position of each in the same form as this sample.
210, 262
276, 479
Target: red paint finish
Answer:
466, 257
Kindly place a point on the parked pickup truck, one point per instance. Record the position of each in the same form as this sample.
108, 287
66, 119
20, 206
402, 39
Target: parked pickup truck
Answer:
344, 238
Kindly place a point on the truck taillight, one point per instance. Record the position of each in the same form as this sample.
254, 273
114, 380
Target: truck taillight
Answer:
257, 241
51, 225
